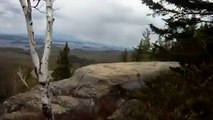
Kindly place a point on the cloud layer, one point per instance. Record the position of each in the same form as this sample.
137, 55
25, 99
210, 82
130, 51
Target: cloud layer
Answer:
113, 22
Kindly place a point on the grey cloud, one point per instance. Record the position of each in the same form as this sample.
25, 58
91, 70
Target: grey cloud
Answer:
112, 22
118, 25
12, 17
9, 10
1, 13
12, 9
122, 14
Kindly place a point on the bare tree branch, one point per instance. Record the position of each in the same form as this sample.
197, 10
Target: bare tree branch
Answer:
36, 3
22, 77
39, 10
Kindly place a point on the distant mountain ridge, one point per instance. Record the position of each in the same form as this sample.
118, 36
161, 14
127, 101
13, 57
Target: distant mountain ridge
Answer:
20, 41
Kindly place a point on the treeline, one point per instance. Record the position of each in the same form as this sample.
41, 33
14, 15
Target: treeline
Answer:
147, 51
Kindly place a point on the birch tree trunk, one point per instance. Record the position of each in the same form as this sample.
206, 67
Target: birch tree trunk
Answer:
41, 65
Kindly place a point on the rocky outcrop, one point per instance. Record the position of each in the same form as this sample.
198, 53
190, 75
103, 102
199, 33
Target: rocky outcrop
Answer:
90, 90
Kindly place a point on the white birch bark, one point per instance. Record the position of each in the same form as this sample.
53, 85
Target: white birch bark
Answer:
27, 9
41, 66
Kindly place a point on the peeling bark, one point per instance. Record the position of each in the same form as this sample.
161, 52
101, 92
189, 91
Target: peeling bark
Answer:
41, 65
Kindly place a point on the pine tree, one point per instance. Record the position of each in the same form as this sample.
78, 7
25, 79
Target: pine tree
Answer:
188, 24
138, 52
161, 50
124, 56
63, 68
143, 50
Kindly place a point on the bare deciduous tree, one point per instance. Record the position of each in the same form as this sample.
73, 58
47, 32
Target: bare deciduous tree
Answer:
41, 65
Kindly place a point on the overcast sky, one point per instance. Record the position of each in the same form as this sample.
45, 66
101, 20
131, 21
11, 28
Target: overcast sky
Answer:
112, 22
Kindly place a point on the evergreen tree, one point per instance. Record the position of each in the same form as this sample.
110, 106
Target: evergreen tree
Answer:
160, 42
188, 24
143, 50
63, 68
186, 92
161, 50
133, 56
124, 56
138, 52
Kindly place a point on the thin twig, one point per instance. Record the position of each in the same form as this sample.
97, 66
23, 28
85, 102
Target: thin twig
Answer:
39, 10
23, 79
36, 4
